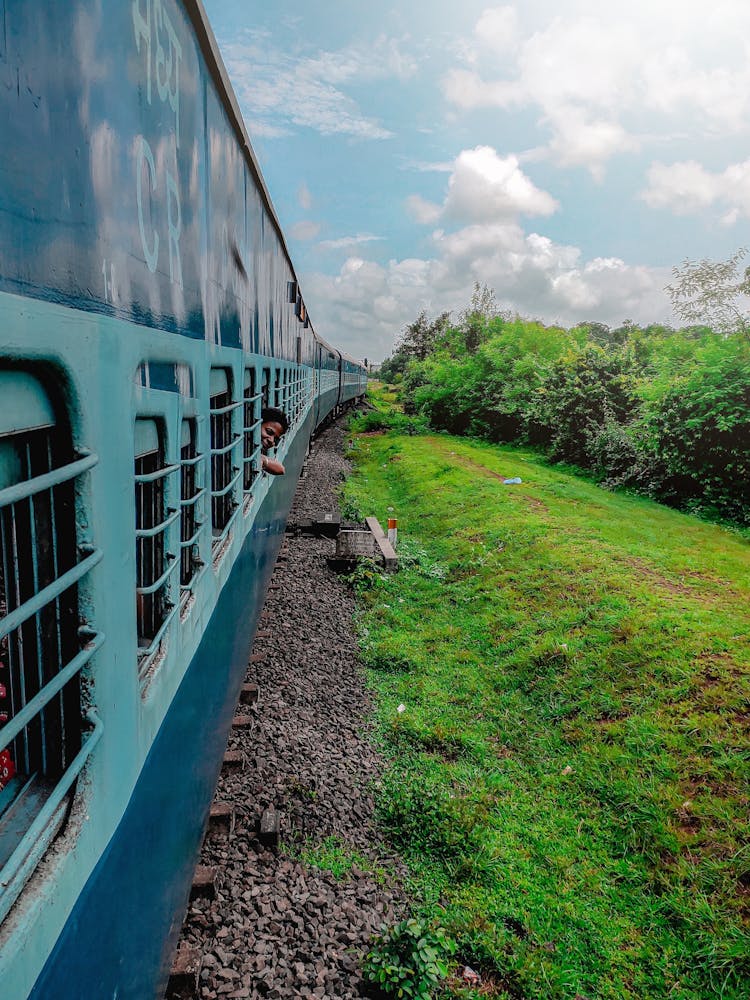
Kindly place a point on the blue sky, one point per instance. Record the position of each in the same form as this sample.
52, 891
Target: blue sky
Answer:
568, 154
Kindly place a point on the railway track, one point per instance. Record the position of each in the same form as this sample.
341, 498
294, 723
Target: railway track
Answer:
298, 759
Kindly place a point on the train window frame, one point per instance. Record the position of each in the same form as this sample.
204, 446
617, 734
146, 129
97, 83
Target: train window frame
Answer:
252, 398
154, 515
45, 643
192, 493
224, 441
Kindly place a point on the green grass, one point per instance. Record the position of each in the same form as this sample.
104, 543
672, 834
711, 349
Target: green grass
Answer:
335, 856
569, 778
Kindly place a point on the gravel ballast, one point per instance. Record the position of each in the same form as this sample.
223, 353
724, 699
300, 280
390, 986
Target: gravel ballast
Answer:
277, 927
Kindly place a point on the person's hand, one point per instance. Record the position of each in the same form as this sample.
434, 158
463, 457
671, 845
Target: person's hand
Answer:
272, 466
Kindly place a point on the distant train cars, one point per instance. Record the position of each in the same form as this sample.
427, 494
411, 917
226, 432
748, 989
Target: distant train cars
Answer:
148, 311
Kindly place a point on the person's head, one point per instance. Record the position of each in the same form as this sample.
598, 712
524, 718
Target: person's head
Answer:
273, 425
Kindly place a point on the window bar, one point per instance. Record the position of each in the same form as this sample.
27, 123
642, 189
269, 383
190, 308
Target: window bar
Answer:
35, 841
251, 419
219, 537
225, 449
219, 494
153, 520
22, 613
36, 635
190, 526
152, 477
146, 653
217, 411
66, 473
14, 726
38, 568
59, 637
223, 441
159, 528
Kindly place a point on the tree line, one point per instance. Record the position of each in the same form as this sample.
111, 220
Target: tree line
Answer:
660, 411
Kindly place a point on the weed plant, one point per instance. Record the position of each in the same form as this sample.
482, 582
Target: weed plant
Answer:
569, 770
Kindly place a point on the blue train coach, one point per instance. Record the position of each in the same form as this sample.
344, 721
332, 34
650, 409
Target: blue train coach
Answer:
148, 310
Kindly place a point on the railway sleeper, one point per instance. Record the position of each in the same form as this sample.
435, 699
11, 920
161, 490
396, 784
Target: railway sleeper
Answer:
183, 977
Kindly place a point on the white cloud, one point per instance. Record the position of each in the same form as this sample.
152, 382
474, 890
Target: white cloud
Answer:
367, 303
687, 187
422, 211
497, 28
466, 89
304, 230
484, 187
578, 142
348, 241
278, 91
591, 76
428, 166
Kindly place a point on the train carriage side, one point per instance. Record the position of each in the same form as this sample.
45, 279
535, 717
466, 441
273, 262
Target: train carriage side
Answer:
329, 380
147, 313
353, 379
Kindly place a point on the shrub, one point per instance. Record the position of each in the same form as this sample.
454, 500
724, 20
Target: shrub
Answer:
409, 959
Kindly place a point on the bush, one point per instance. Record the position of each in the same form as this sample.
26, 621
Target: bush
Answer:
409, 959
698, 429
378, 420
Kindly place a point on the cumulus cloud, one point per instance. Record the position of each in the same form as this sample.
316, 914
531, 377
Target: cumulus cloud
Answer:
687, 187
279, 91
591, 76
578, 142
484, 187
368, 303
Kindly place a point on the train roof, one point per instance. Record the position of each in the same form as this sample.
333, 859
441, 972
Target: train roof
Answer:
219, 75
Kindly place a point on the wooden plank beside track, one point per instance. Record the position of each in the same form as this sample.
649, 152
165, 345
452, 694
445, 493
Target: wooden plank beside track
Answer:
387, 551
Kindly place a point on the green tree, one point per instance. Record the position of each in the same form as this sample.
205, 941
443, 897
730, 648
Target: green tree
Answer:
475, 319
712, 292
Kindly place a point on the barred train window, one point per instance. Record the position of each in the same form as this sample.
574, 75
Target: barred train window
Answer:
224, 472
251, 451
277, 389
154, 564
190, 493
44, 739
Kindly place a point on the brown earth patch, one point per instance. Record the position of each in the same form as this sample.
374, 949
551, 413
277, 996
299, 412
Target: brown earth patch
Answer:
661, 581
469, 463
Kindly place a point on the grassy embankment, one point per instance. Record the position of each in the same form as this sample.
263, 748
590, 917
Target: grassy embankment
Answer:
569, 777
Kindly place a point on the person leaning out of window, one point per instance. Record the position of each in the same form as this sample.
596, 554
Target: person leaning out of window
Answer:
273, 426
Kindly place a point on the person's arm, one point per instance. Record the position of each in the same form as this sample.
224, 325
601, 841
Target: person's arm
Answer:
272, 466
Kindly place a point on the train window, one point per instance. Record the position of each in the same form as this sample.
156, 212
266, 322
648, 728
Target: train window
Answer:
190, 494
224, 440
251, 431
154, 564
285, 394
291, 287
44, 738
277, 402
298, 386
265, 390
